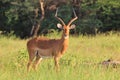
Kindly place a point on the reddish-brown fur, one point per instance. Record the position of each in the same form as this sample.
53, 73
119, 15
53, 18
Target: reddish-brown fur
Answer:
40, 47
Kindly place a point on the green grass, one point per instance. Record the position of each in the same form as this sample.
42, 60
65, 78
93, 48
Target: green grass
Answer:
82, 50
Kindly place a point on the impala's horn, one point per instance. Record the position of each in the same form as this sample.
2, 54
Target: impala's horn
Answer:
59, 17
73, 18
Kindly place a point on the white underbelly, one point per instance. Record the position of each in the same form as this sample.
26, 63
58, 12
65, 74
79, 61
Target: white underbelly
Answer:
45, 53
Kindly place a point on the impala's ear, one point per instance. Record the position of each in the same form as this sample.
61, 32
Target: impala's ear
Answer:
59, 26
72, 26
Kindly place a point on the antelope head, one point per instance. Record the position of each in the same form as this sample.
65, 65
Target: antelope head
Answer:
65, 27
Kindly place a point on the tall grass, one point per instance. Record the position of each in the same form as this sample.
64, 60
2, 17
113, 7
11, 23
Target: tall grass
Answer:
74, 65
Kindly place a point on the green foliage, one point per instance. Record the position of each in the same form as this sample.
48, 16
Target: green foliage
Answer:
17, 15
108, 14
94, 15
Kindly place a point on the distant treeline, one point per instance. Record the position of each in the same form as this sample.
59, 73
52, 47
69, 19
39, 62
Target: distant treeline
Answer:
94, 16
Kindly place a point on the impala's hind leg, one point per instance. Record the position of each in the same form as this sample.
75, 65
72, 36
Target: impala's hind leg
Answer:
31, 57
37, 61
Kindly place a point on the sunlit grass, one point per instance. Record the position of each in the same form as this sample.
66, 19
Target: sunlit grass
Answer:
73, 65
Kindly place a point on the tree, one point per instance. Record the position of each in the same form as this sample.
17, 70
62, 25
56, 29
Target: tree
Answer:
21, 16
108, 13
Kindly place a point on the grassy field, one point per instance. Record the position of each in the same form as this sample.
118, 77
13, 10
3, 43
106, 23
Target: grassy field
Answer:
74, 65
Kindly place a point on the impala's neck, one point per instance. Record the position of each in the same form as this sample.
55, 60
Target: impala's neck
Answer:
64, 43
65, 40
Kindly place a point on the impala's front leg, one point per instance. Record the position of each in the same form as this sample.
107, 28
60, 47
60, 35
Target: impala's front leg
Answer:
56, 59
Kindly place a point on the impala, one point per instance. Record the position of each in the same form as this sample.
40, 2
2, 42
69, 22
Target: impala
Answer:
40, 47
